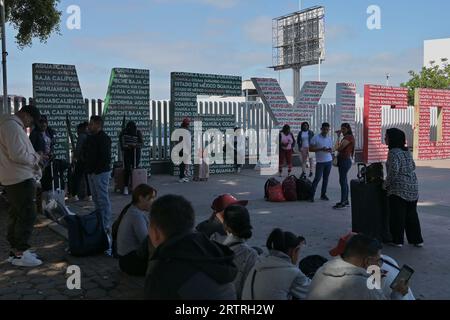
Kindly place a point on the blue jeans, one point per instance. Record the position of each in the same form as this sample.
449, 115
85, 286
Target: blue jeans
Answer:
344, 166
99, 184
322, 170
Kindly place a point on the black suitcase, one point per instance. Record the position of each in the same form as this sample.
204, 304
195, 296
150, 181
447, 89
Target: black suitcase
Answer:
370, 210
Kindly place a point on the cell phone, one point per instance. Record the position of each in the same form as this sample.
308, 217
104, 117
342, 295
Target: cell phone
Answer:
405, 274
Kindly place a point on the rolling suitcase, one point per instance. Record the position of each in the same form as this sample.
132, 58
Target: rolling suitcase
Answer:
119, 179
370, 214
138, 176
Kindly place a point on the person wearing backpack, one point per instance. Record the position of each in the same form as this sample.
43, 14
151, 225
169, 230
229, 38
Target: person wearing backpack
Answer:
130, 230
236, 221
287, 143
277, 276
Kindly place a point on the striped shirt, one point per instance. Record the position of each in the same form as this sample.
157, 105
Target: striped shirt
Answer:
401, 180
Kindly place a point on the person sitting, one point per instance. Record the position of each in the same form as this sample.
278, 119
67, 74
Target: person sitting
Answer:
186, 265
389, 269
347, 278
213, 227
131, 229
236, 220
276, 276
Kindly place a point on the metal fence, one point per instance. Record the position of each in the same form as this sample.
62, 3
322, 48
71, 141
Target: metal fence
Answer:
253, 115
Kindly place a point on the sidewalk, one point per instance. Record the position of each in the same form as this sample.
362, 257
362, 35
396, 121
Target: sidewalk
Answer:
317, 222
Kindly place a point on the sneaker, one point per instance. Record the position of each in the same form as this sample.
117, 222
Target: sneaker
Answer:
125, 191
346, 203
12, 255
418, 245
396, 245
324, 198
74, 199
186, 179
181, 181
26, 260
339, 206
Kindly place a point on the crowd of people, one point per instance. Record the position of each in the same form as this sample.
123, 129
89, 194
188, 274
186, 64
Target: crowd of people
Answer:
157, 238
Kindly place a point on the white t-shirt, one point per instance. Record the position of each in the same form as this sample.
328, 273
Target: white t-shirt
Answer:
305, 139
319, 141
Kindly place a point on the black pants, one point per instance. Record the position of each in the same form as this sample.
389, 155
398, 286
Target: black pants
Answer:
403, 217
79, 177
182, 170
21, 213
129, 163
133, 264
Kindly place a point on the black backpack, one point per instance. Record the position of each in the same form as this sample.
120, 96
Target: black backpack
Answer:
269, 183
304, 189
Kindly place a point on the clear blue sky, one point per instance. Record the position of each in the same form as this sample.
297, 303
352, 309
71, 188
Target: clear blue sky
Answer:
229, 37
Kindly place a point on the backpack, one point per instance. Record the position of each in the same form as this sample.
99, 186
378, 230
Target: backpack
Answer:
276, 193
87, 236
304, 189
290, 188
269, 183
375, 173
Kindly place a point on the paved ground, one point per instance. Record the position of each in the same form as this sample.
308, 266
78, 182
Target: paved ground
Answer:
321, 226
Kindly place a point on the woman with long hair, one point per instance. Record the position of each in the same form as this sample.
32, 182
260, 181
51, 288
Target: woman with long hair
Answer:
346, 150
277, 276
130, 231
287, 143
304, 140
403, 190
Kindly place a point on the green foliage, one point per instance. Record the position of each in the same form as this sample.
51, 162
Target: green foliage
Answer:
33, 19
434, 77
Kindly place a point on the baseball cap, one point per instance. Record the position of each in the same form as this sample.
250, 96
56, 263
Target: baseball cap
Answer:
340, 248
222, 202
33, 112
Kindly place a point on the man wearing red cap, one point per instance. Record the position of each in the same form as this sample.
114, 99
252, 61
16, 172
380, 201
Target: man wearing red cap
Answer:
213, 227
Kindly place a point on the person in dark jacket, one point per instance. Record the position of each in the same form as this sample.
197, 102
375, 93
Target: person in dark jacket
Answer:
79, 173
186, 265
131, 143
97, 152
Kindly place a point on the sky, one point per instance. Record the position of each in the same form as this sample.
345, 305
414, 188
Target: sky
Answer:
232, 37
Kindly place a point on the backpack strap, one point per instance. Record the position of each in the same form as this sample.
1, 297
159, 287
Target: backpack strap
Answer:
391, 264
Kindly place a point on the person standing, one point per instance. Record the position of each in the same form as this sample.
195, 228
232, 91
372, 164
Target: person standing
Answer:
97, 153
184, 168
79, 173
131, 142
322, 145
304, 140
403, 190
287, 143
345, 149
19, 167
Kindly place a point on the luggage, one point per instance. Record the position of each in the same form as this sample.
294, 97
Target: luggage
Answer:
201, 172
304, 189
119, 178
290, 188
138, 176
369, 207
269, 183
87, 235
373, 173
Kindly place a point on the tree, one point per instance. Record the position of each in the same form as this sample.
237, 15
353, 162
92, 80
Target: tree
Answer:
33, 19
434, 77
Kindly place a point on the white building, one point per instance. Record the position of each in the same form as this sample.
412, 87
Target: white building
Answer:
435, 50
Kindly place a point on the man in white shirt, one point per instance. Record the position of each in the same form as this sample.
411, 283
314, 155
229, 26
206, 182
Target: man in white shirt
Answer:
322, 145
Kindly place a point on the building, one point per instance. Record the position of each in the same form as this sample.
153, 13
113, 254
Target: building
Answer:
436, 50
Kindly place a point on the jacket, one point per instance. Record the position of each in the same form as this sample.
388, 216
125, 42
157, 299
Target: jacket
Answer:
340, 280
275, 278
81, 140
97, 152
244, 259
38, 142
300, 141
191, 267
18, 160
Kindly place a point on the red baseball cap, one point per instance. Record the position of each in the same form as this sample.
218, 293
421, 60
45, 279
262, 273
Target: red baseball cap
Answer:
340, 248
224, 201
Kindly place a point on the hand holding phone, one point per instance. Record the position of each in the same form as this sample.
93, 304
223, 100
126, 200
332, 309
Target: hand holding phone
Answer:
400, 283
